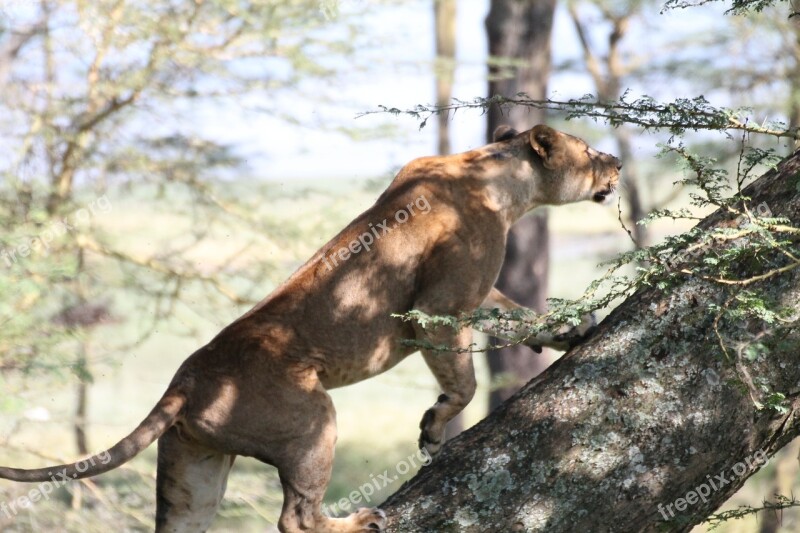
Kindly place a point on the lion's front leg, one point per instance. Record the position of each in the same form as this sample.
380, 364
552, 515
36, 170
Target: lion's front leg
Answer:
563, 339
456, 377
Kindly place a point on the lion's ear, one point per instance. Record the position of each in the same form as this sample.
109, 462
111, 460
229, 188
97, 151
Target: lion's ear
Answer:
548, 145
503, 133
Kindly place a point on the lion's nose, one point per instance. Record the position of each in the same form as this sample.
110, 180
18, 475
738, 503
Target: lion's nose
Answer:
618, 163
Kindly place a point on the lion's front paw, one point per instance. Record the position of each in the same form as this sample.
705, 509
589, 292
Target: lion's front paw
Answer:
577, 334
430, 440
361, 520
534, 345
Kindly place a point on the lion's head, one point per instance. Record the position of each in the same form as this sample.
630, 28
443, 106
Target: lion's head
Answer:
567, 169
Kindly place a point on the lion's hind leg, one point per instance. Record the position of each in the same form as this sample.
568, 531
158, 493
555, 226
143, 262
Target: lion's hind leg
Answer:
304, 464
191, 481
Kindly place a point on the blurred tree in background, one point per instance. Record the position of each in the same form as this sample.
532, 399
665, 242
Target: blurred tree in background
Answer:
444, 16
102, 107
609, 71
98, 94
519, 35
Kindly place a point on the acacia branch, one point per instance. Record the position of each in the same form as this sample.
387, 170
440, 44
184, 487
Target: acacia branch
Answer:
738, 7
592, 64
87, 243
677, 116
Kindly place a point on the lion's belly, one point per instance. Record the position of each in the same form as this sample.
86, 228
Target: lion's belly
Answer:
362, 360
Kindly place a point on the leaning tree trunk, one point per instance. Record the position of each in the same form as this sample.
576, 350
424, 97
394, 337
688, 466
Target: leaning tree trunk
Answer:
519, 30
626, 430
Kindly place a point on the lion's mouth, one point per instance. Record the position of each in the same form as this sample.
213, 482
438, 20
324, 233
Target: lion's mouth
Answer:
601, 196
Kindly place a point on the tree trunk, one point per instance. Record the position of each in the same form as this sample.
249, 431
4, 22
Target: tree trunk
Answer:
794, 74
785, 465
608, 75
82, 400
520, 30
444, 12
445, 21
630, 187
523, 278
630, 428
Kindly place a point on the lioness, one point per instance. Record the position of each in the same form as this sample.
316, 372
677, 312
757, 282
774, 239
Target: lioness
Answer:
259, 387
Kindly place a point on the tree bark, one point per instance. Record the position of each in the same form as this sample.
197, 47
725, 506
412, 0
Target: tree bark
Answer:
520, 30
647, 409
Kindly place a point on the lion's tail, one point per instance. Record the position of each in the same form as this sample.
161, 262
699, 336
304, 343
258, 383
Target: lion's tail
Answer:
152, 427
